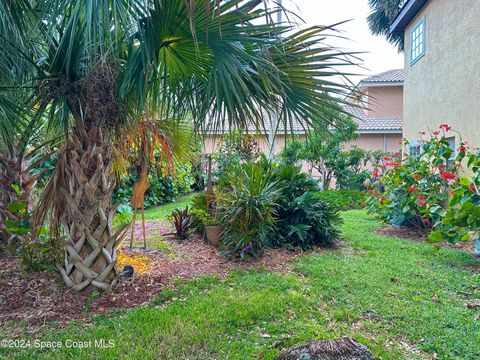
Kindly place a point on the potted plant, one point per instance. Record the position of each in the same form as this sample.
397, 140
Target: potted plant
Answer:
211, 224
213, 233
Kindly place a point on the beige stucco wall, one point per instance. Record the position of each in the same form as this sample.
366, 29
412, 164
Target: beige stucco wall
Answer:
384, 101
372, 142
444, 85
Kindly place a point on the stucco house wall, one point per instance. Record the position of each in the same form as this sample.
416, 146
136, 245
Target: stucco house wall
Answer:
444, 85
384, 101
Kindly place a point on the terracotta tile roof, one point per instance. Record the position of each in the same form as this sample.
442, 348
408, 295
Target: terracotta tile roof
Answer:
382, 123
395, 75
387, 123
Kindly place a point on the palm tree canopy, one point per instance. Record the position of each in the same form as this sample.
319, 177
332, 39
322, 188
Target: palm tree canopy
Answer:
100, 61
382, 14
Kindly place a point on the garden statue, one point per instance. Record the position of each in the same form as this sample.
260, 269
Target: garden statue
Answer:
138, 198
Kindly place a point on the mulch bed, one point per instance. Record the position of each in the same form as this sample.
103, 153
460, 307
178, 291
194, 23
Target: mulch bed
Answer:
37, 298
418, 235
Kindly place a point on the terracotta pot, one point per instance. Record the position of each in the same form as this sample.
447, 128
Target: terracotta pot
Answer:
214, 234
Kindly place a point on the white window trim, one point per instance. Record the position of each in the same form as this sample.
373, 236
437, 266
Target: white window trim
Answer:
423, 39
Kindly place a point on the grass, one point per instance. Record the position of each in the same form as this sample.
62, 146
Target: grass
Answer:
392, 295
163, 212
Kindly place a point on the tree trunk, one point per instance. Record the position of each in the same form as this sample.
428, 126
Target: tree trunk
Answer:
338, 349
85, 191
13, 171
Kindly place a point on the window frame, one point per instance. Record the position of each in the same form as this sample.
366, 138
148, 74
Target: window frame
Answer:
421, 38
415, 149
452, 143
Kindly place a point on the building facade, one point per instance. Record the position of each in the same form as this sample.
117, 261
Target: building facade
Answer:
379, 118
442, 67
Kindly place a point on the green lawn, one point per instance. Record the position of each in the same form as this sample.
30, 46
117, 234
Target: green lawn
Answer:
163, 212
389, 294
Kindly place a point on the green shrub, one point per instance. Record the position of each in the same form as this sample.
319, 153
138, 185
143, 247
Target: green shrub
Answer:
461, 220
303, 219
247, 207
199, 212
270, 204
343, 199
306, 221
162, 189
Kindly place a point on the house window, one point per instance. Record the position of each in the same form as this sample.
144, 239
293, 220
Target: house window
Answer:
451, 144
415, 149
417, 41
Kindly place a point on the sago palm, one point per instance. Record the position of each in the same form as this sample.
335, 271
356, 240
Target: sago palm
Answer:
98, 62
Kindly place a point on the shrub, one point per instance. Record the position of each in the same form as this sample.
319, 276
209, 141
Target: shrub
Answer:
306, 221
162, 189
303, 218
268, 204
461, 220
343, 199
248, 206
181, 220
414, 191
236, 147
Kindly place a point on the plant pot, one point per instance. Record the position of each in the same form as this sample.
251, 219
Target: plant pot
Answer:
214, 234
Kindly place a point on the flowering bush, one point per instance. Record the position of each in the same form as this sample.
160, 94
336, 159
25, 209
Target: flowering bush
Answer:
414, 191
462, 218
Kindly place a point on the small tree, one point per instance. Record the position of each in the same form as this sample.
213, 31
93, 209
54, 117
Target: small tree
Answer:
350, 168
323, 149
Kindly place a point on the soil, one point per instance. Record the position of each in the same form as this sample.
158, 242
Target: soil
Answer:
35, 298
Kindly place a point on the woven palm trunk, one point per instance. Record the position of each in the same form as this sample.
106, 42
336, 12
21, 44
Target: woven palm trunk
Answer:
86, 191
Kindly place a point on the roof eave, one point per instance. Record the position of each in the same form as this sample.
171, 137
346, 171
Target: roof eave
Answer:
379, 131
364, 84
406, 15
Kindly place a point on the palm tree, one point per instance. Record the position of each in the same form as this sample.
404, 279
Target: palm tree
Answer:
382, 15
99, 62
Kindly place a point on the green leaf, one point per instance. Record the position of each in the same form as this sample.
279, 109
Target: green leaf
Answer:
17, 189
465, 181
17, 206
436, 236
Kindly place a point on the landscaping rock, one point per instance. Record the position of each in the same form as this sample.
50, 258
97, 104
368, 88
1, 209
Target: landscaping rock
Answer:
338, 349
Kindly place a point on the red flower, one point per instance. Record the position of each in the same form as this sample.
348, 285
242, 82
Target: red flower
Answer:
441, 166
393, 163
462, 149
436, 133
421, 203
445, 127
417, 176
375, 173
382, 199
375, 194
472, 187
412, 189
422, 133
447, 175
386, 158
425, 220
